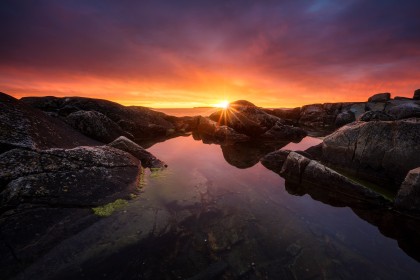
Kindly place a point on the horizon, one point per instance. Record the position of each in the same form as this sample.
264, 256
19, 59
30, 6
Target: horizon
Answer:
162, 54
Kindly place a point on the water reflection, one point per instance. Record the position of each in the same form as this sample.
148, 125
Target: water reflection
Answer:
203, 218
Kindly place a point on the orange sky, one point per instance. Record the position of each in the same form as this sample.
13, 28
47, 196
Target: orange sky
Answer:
164, 54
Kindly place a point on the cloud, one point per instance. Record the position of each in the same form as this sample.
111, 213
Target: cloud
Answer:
277, 47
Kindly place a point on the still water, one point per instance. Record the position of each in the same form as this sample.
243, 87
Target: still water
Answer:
203, 218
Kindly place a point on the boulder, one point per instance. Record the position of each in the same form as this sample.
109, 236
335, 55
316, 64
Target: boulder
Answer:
146, 158
344, 118
210, 131
285, 132
83, 176
404, 110
275, 160
294, 167
96, 125
25, 127
380, 97
381, 151
416, 95
408, 197
376, 116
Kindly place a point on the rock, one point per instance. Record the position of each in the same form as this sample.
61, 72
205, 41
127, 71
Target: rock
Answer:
210, 131
294, 167
146, 158
25, 127
380, 151
140, 122
96, 125
275, 160
404, 111
401, 98
357, 109
285, 132
380, 97
408, 197
376, 116
344, 118
83, 176
376, 106
416, 95
290, 115
245, 118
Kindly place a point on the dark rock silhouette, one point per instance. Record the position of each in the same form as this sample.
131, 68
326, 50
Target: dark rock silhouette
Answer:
140, 122
145, 157
376, 116
380, 97
25, 127
416, 95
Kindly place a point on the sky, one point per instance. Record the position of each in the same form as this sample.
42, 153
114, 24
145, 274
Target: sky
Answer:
188, 53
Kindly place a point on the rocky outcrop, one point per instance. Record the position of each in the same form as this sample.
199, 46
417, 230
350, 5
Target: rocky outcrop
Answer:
376, 116
96, 125
140, 122
285, 132
245, 118
408, 197
25, 127
404, 110
211, 132
416, 95
344, 118
298, 169
146, 158
83, 176
380, 151
289, 115
380, 97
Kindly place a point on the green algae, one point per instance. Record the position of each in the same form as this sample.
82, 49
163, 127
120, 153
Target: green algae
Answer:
107, 209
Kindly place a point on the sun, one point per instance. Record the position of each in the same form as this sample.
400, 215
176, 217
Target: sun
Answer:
224, 104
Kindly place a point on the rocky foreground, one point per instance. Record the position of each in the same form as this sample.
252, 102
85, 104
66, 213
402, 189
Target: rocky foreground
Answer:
60, 157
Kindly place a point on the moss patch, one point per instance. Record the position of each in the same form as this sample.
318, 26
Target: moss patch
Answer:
107, 209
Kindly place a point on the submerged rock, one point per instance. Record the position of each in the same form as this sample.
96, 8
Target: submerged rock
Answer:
145, 157
408, 197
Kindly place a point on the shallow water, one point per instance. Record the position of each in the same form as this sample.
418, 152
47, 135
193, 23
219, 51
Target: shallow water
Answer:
203, 218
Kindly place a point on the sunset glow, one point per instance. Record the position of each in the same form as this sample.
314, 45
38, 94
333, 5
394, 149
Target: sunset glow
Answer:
223, 105
165, 54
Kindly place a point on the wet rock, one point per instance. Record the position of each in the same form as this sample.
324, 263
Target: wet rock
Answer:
408, 197
285, 132
275, 160
380, 151
66, 177
376, 116
96, 125
26, 127
405, 110
416, 95
146, 158
344, 118
380, 97
294, 167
